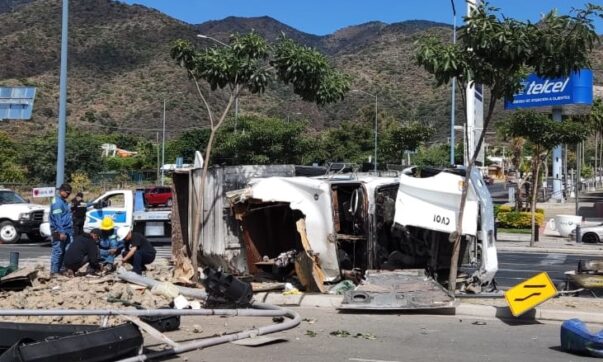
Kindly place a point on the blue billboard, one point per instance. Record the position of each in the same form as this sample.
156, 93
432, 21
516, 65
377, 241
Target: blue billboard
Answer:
543, 92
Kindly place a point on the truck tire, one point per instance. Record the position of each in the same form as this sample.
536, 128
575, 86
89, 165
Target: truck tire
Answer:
8, 233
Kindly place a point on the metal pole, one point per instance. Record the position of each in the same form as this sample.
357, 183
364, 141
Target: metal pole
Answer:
62, 96
453, 110
557, 162
163, 146
158, 166
236, 112
577, 181
376, 131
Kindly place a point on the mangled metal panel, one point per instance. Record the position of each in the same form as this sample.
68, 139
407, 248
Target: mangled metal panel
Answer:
433, 203
312, 198
397, 290
219, 241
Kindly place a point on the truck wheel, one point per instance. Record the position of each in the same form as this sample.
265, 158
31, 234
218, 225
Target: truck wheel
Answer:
170, 202
8, 233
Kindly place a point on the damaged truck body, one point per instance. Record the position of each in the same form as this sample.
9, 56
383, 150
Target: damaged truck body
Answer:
332, 227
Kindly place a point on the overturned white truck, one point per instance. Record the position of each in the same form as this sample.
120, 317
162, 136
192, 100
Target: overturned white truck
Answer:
392, 231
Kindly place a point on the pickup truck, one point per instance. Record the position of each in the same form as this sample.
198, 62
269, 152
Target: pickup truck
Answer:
19, 216
127, 208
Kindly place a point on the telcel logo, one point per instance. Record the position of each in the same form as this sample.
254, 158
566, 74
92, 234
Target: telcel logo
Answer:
545, 88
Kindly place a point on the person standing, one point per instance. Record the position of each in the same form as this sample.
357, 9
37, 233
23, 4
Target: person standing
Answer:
137, 249
78, 211
61, 227
84, 249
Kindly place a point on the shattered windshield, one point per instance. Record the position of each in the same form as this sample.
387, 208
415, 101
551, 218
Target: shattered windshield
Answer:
11, 197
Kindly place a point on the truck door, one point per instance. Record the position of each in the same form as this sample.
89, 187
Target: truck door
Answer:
115, 204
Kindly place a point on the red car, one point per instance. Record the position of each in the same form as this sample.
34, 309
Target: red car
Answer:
158, 195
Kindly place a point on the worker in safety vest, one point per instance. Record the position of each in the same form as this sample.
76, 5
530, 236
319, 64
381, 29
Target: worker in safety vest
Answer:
109, 245
61, 227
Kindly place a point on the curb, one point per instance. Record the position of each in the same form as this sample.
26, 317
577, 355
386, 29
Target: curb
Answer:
462, 309
537, 250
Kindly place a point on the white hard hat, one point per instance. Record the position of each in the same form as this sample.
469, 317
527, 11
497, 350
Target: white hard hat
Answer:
122, 232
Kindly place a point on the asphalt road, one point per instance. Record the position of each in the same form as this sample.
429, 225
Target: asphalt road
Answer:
516, 267
386, 337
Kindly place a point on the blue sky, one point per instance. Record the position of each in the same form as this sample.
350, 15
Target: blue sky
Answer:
326, 16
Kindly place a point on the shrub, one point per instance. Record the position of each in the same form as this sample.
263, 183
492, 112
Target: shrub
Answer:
518, 220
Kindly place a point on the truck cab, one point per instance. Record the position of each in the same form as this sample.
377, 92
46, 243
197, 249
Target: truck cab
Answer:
127, 208
19, 216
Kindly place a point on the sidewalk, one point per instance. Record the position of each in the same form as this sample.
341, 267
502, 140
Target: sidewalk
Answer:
556, 309
550, 241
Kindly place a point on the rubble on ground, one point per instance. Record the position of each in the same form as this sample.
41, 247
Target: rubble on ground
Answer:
86, 292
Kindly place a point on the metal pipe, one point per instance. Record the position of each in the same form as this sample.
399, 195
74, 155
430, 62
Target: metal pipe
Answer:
149, 282
207, 342
142, 312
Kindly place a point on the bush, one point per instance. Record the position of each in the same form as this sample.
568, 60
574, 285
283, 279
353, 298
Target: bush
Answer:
518, 220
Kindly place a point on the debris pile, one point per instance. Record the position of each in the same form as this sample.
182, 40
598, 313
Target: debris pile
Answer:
90, 292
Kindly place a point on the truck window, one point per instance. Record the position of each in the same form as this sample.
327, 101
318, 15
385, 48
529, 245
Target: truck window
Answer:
115, 200
10, 197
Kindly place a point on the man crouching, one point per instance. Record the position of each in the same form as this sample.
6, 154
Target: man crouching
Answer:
83, 249
138, 251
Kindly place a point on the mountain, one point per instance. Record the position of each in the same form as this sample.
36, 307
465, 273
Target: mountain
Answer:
121, 74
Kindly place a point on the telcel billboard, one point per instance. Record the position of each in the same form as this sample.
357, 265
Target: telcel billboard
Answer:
543, 92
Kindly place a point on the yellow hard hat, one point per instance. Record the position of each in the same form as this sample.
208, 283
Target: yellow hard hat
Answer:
107, 223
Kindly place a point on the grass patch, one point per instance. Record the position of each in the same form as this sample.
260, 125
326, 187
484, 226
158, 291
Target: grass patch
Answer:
514, 231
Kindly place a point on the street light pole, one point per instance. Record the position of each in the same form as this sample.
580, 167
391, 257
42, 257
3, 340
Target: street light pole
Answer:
376, 123
453, 102
62, 97
163, 146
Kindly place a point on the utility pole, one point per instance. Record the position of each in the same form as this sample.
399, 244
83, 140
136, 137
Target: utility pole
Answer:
453, 102
62, 97
163, 146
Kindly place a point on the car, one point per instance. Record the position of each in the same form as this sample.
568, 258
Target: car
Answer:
157, 196
590, 234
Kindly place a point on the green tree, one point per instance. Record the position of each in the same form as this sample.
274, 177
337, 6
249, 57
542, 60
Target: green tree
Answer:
543, 134
397, 138
261, 140
82, 153
250, 63
10, 169
351, 141
498, 52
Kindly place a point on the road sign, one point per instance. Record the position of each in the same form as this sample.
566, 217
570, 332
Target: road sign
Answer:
43, 192
529, 293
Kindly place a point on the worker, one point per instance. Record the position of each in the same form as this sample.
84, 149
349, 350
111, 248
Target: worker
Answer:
61, 227
78, 211
138, 251
109, 245
83, 249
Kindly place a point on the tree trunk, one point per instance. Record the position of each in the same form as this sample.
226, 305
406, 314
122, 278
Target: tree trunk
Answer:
199, 220
535, 186
456, 247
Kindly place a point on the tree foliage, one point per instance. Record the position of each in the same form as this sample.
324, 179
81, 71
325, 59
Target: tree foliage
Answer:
498, 52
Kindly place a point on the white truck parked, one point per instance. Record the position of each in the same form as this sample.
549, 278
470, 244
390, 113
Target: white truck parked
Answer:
127, 208
18, 216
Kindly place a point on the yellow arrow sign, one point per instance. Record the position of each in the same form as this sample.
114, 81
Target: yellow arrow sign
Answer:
529, 293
